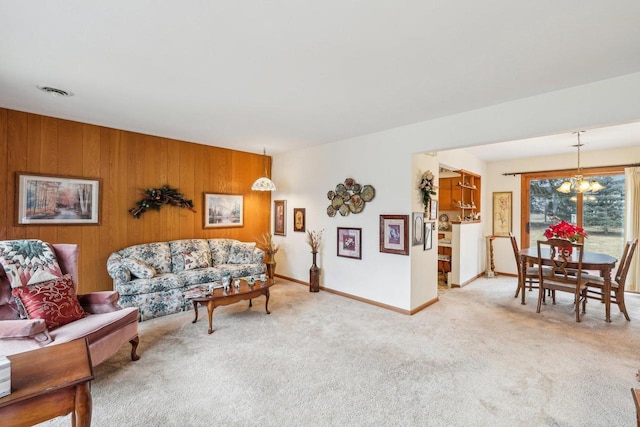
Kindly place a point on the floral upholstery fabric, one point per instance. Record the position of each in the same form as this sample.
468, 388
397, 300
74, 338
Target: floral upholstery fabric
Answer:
241, 253
242, 270
201, 275
161, 282
194, 260
162, 294
156, 304
27, 262
139, 268
198, 249
219, 250
157, 255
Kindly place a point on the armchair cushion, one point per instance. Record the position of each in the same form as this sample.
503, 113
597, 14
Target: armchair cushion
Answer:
22, 328
55, 302
139, 268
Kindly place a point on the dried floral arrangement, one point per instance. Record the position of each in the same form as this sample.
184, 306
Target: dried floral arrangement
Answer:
315, 238
154, 198
267, 244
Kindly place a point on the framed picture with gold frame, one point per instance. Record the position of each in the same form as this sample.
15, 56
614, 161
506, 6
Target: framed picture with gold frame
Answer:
280, 217
502, 213
299, 219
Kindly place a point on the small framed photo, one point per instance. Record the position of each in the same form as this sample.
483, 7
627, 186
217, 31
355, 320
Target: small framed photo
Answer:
502, 213
394, 234
350, 242
223, 210
280, 217
299, 219
418, 229
57, 200
434, 209
429, 226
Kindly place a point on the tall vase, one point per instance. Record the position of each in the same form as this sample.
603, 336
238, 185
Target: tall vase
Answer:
271, 266
314, 275
427, 210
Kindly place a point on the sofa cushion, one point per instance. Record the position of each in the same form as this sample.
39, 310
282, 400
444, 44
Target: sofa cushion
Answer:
198, 249
242, 270
241, 253
157, 255
158, 283
55, 302
219, 250
139, 268
199, 276
195, 260
27, 262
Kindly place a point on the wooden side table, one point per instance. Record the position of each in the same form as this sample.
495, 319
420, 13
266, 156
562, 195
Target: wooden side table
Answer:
47, 383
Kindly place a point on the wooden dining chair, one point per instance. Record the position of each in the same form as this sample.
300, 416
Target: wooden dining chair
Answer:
525, 275
563, 274
595, 284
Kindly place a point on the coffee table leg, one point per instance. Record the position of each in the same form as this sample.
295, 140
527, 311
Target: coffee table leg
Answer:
195, 310
266, 303
210, 308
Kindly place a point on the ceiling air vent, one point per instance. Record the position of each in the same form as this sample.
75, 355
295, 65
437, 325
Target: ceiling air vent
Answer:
54, 91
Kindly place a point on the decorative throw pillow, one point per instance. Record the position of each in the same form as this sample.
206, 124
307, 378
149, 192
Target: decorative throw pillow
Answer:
27, 262
55, 301
139, 268
193, 260
241, 253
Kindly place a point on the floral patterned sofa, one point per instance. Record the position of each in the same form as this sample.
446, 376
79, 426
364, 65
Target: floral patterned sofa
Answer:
154, 276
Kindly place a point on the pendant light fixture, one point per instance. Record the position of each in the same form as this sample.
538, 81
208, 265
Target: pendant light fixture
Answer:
264, 183
577, 183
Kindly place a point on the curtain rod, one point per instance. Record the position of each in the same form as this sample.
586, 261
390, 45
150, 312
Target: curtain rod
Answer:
630, 165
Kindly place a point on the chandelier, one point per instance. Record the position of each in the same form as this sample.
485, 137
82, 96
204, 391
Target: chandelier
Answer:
577, 183
264, 183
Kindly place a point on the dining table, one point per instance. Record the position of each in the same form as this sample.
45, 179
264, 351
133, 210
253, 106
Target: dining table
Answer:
603, 263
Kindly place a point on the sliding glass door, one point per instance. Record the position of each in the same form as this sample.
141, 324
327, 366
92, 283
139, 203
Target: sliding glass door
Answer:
601, 214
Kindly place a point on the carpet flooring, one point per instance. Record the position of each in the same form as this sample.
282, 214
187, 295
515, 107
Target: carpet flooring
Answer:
475, 358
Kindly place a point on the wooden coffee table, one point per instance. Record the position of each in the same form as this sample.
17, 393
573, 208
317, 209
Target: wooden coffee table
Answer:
220, 297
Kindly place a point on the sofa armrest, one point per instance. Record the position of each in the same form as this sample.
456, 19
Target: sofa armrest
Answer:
99, 302
34, 329
258, 256
116, 269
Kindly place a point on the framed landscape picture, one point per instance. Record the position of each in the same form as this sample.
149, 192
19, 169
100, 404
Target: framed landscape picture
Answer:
223, 210
57, 200
394, 234
350, 242
280, 217
502, 213
299, 219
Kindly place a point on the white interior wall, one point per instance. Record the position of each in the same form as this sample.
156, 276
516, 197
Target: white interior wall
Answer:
384, 160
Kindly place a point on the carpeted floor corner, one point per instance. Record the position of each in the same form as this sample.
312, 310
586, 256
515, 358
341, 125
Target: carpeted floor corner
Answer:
477, 357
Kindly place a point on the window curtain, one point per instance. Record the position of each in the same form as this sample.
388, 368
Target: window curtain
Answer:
632, 224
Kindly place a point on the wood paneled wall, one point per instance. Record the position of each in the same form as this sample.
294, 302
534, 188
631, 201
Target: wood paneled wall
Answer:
127, 163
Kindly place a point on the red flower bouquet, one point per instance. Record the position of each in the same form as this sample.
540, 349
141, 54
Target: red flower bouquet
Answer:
565, 230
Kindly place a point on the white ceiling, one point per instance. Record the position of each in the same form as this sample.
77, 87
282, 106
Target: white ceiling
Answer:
287, 74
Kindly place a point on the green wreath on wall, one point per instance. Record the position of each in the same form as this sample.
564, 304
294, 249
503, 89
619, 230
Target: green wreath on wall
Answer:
155, 198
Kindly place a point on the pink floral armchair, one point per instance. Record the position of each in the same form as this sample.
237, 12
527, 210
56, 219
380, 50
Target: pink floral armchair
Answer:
36, 309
